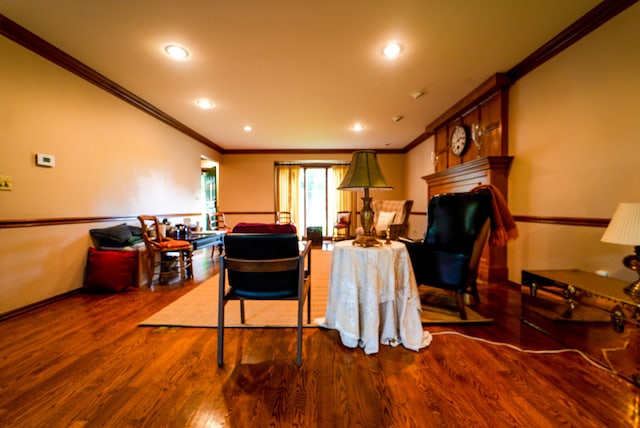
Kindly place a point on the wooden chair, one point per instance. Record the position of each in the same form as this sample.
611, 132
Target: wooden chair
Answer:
283, 217
341, 230
159, 249
264, 266
218, 221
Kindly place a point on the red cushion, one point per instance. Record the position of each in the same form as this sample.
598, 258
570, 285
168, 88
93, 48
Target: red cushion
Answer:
264, 228
110, 271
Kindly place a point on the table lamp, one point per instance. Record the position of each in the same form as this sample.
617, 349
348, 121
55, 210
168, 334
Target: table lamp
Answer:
624, 229
364, 174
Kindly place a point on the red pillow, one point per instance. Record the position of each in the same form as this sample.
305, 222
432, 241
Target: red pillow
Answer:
110, 271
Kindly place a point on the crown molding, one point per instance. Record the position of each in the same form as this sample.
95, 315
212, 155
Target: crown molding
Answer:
36, 44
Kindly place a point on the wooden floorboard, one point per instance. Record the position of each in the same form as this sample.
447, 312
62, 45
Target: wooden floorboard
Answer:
84, 362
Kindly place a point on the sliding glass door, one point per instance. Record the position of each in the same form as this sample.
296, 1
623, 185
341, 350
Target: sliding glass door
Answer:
314, 198
309, 191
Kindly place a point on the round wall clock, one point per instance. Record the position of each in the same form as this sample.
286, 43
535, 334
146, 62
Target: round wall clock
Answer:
458, 140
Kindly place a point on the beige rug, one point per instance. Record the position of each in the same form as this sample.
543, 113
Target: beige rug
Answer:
199, 307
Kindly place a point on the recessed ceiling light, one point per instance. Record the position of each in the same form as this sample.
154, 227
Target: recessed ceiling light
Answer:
176, 52
248, 128
204, 103
391, 50
357, 127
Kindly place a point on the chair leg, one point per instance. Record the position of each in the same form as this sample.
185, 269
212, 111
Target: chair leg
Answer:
474, 292
188, 263
221, 317
299, 344
242, 311
151, 256
182, 270
461, 307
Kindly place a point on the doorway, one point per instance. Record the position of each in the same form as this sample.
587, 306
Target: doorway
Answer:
208, 186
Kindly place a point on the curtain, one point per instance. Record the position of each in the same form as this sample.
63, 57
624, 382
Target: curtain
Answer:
345, 200
287, 184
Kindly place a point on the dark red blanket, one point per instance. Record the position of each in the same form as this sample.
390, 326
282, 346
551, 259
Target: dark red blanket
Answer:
503, 227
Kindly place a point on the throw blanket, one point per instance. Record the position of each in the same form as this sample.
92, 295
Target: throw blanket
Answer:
264, 228
503, 227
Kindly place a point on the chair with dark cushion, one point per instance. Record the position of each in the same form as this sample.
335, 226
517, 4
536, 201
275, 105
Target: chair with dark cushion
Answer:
448, 257
264, 266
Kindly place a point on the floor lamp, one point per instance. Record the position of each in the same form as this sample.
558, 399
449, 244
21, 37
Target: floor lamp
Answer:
364, 174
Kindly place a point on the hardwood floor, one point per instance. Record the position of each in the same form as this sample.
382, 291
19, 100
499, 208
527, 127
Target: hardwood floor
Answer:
84, 361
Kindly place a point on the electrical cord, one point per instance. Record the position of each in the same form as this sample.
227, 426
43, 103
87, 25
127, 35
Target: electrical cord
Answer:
590, 360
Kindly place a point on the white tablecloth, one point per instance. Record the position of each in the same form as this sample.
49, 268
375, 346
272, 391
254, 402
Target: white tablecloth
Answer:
373, 297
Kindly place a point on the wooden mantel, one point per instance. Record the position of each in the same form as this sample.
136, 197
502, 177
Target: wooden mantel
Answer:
464, 177
492, 170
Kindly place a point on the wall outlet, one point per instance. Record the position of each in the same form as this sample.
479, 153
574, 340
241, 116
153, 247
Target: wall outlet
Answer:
6, 182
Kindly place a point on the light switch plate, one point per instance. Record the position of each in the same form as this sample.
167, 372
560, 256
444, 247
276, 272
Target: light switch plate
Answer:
45, 160
6, 182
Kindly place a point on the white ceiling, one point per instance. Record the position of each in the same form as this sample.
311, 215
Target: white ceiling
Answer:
301, 72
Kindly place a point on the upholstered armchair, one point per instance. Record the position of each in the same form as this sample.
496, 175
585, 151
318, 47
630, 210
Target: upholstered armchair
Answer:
392, 215
458, 225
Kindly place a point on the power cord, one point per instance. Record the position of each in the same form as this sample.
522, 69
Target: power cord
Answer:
609, 369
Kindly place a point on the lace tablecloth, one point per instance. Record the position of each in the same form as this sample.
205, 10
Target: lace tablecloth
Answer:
373, 297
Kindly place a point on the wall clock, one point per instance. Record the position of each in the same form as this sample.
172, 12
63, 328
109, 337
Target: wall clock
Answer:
458, 140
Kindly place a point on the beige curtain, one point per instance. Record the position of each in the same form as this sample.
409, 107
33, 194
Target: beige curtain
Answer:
345, 200
287, 184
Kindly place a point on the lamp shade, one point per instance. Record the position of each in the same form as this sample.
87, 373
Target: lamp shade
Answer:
624, 227
364, 173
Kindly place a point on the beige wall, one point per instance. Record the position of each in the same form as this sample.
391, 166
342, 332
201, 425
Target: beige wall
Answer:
419, 164
111, 160
247, 181
574, 133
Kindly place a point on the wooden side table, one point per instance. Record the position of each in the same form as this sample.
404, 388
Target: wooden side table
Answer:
585, 311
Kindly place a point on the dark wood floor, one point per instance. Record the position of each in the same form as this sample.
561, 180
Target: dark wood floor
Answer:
85, 362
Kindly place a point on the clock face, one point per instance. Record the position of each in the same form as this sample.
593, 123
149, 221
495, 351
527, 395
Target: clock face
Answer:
458, 140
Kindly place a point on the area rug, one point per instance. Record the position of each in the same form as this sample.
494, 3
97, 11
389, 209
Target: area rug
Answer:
199, 307
439, 307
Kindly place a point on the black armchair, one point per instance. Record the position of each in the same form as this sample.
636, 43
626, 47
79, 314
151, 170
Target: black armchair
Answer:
264, 266
448, 257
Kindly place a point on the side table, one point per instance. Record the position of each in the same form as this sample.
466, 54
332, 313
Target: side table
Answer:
373, 297
585, 311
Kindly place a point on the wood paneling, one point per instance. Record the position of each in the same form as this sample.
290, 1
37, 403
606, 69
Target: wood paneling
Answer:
486, 106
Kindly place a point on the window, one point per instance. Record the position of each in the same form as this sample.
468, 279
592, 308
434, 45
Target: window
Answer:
310, 193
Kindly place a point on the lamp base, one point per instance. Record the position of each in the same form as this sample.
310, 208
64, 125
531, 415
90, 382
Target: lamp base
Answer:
366, 241
633, 289
633, 262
